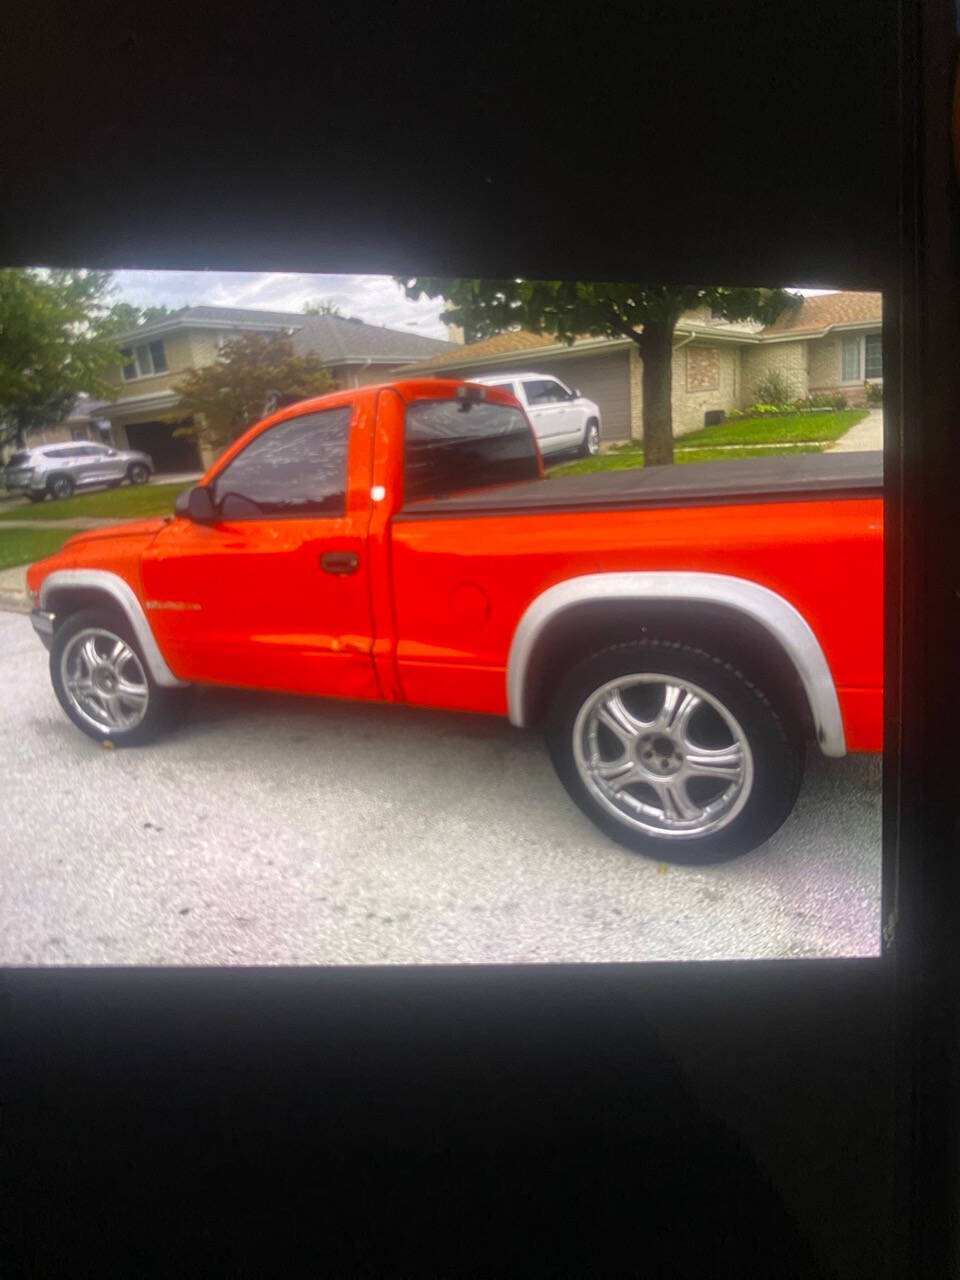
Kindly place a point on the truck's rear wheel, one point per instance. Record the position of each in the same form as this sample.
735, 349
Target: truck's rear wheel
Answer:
673, 752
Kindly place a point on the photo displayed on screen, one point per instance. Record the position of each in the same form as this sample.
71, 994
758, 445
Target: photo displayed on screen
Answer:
402, 620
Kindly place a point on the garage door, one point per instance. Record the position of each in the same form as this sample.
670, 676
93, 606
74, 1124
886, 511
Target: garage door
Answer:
169, 452
605, 379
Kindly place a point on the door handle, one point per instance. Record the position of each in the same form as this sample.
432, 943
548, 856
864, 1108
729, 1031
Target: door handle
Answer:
339, 561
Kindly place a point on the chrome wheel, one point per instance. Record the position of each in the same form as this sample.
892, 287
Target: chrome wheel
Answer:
139, 474
592, 442
62, 487
104, 680
663, 756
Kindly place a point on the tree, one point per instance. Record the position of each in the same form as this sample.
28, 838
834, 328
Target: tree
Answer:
57, 339
321, 307
571, 309
252, 375
127, 316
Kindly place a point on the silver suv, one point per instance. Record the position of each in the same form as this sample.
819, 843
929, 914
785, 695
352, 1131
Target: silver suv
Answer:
59, 469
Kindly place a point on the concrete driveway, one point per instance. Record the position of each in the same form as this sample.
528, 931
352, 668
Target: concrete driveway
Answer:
271, 830
866, 435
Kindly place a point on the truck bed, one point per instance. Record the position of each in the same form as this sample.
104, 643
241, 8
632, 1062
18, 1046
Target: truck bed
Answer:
743, 480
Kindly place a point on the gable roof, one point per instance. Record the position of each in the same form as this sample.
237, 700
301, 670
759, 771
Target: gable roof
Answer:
345, 340
821, 311
335, 339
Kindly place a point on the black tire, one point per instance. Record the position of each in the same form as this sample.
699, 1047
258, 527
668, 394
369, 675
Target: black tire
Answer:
159, 701
60, 487
588, 449
775, 754
36, 497
138, 473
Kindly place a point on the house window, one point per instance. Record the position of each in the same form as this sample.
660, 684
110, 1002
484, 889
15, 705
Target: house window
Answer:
851, 360
142, 361
873, 356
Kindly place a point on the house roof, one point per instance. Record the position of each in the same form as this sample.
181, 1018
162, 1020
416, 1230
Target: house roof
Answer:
345, 340
821, 311
336, 339
816, 315
501, 344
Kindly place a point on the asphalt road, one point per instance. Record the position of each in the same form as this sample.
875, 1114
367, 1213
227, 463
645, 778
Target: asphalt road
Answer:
271, 830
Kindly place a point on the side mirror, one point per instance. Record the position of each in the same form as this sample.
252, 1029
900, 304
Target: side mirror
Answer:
577, 393
196, 504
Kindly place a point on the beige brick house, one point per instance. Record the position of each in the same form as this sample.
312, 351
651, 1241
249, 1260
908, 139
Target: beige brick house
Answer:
829, 344
143, 415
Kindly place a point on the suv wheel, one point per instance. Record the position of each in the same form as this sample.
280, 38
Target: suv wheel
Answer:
591, 440
60, 487
673, 752
138, 473
102, 681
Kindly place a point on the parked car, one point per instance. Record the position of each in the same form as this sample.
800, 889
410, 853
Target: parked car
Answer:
563, 420
60, 469
681, 632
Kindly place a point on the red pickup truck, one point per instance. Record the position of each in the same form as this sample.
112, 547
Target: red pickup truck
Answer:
681, 632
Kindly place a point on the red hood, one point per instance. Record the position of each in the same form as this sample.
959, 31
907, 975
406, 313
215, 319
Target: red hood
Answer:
128, 529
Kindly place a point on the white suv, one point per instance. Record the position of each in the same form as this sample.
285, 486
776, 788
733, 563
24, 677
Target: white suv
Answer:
561, 419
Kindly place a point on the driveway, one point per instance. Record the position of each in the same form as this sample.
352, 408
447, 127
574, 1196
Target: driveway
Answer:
866, 435
273, 830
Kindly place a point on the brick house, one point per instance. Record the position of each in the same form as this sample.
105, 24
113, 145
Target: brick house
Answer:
143, 415
829, 344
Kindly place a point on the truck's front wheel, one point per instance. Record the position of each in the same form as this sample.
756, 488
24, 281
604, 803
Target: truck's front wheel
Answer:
103, 682
673, 752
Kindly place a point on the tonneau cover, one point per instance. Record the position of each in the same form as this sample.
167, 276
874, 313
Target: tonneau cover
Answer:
781, 478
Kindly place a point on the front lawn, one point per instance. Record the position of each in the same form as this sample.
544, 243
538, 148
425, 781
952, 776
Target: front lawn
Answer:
787, 428
627, 459
108, 504
794, 432
23, 546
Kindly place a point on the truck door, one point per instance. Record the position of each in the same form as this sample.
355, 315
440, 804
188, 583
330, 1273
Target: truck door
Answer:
274, 594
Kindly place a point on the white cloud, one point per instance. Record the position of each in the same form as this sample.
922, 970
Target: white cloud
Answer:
375, 299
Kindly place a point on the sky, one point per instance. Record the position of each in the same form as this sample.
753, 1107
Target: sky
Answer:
375, 299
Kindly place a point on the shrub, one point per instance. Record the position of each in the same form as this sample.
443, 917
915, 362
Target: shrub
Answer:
874, 393
773, 388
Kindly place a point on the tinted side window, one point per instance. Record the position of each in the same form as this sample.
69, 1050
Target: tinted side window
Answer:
453, 445
545, 391
298, 467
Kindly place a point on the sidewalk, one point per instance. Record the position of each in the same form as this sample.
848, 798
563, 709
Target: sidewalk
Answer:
13, 589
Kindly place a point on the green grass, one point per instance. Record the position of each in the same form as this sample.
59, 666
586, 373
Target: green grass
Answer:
23, 546
795, 428
627, 459
108, 504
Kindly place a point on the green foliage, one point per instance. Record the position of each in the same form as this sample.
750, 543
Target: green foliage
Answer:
125, 316
125, 503
774, 389
874, 393
251, 375
573, 309
57, 339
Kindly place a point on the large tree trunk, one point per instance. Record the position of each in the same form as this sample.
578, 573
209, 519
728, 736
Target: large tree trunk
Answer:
656, 352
